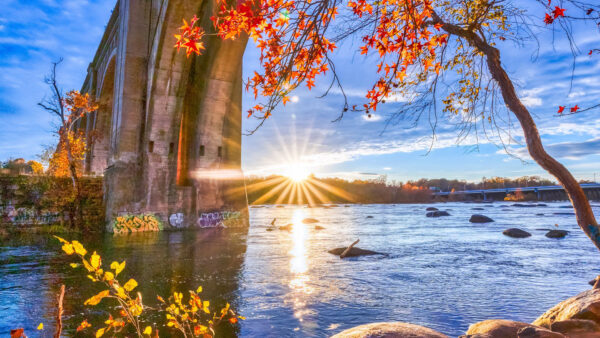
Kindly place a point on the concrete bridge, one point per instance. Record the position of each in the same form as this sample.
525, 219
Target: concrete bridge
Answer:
167, 136
549, 192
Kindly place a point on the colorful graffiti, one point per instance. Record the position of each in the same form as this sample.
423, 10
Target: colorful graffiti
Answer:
225, 219
27, 216
136, 223
177, 220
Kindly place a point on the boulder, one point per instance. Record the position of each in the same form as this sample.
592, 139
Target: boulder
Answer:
538, 332
310, 221
437, 213
496, 328
389, 330
318, 227
516, 233
556, 233
432, 209
577, 328
287, 227
480, 219
354, 252
585, 305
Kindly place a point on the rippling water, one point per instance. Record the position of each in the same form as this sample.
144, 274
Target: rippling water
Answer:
444, 273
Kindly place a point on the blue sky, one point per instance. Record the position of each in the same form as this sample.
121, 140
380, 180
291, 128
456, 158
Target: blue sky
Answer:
35, 32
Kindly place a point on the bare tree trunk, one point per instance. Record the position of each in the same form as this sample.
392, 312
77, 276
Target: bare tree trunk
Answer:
59, 312
583, 211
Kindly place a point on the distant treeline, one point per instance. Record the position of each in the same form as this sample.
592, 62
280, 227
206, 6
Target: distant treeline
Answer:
280, 190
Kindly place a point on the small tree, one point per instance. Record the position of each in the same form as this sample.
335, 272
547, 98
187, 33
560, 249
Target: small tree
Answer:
67, 160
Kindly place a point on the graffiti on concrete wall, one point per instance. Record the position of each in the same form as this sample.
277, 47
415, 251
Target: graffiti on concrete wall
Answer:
177, 220
27, 216
224, 219
136, 223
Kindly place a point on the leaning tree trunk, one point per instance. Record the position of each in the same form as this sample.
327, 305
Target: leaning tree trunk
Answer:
583, 211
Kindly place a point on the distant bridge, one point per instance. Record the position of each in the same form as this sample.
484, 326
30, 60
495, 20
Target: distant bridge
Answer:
546, 192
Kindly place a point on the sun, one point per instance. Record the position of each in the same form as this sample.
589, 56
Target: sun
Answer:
297, 172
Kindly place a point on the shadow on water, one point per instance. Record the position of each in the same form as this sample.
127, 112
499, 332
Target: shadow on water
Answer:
32, 269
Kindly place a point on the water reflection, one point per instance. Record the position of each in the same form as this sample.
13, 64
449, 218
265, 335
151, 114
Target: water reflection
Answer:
162, 263
299, 268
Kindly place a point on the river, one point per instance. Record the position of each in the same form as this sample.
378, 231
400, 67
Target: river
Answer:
443, 273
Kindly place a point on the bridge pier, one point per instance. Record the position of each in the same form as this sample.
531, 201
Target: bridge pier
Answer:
172, 124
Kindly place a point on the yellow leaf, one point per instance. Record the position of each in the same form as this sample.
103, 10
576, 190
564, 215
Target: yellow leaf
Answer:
117, 267
41, 326
68, 248
199, 290
95, 260
97, 298
61, 240
87, 265
108, 276
100, 333
121, 293
92, 278
130, 285
205, 305
79, 249
74, 265
148, 330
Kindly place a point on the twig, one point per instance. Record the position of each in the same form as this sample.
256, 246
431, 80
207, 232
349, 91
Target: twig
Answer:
343, 255
59, 313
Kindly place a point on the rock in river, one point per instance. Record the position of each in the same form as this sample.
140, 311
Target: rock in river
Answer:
556, 233
497, 328
310, 220
389, 330
477, 209
480, 219
354, 252
432, 209
437, 213
516, 233
585, 305
318, 227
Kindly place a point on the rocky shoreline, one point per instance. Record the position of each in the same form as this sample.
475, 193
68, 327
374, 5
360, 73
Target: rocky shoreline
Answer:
576, 317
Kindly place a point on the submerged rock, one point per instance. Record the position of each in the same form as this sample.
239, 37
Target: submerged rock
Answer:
431, 209
310, 221
539, 214
287, 227
437, 213
516, 233
519, 205
585, 305
477, 209
565, 213
480, 219
318, 227
354, 252
389, 330
556, 233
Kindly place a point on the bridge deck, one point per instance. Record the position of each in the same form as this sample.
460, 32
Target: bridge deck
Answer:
508, 190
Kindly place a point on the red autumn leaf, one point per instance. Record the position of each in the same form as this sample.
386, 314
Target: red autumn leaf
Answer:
558, 12
574, 109
561, 109
18, 333
548, 19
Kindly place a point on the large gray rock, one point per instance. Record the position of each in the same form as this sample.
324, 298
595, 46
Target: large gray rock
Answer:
389, 330
496, 328
516, 233
480, 219
437, 214
585, 305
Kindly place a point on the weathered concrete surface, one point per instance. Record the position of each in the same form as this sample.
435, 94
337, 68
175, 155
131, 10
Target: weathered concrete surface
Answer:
389, 330
167, 136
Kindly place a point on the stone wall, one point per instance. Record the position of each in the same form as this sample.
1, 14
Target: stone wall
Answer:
31, 201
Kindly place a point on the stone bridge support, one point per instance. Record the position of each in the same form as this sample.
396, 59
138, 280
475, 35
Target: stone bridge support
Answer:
167, 136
